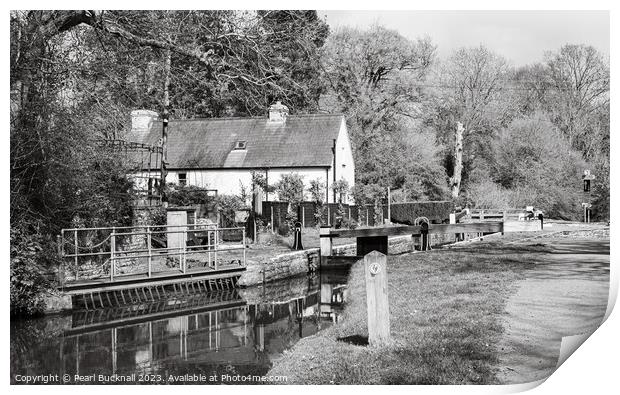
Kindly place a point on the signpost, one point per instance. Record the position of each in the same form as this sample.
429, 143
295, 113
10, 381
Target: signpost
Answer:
375, 266
587, 194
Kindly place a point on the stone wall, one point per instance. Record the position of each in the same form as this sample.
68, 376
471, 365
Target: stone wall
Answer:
301, 262
278, 291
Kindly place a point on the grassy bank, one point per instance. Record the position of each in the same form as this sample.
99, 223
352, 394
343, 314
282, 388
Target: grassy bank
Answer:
445, 311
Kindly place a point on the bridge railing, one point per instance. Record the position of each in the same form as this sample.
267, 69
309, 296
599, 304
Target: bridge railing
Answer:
377, 238
151, 243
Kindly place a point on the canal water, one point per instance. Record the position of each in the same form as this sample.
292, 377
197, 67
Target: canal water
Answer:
219, 337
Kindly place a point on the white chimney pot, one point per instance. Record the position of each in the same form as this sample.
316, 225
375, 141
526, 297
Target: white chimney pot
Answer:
278, 112
143, 119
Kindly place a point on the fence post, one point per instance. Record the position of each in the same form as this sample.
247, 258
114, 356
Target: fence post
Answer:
75, 259
184, 250
216, 242
329, 217
389, 213
375, 264
209, 234
303, 216
272, 224
112, 254
148, 246
366, 216
61, 270
243, 246
453, 221
481, 215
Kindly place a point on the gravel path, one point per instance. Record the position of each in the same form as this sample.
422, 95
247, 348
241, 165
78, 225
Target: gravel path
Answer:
564, 294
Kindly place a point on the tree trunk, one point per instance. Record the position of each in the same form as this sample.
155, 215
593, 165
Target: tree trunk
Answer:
455, 180
164, 132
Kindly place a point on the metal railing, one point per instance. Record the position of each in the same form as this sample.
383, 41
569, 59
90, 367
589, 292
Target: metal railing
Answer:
173, 241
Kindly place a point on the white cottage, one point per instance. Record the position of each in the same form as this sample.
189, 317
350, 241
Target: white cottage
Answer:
221, 153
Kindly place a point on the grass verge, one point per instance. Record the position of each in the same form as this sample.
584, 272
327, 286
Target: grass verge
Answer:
445, 315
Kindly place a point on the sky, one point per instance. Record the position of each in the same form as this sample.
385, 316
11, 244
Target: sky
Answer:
522, 37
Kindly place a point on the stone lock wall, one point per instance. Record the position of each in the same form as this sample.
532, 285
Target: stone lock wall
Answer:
301, 262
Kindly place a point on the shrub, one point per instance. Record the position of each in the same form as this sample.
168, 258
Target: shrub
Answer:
317, 193
186, 195
534, 164
319, 213
227, 205
341, 189
555, 201
600, 190
29, 255
290, 188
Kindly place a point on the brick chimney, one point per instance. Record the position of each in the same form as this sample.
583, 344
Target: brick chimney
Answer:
141, 123
278, 112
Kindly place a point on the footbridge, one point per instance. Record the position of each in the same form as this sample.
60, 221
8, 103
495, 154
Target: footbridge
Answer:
107, 266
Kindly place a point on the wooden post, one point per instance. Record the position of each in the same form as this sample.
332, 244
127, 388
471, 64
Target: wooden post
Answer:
243, 247
424, 237
481, 215
325, 243
389, 214
272, 227
303, 216
209, 234
375, 265
453, 221
328, 215
366, 216
584, 213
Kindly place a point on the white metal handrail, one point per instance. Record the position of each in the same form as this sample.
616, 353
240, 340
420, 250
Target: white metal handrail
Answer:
212, 246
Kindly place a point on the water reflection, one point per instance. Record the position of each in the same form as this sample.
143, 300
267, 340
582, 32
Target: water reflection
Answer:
231, 332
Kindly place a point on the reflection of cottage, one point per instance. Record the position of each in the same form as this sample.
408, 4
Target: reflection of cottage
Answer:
221, 153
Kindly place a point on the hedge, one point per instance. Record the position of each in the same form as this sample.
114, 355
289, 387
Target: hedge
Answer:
406, 213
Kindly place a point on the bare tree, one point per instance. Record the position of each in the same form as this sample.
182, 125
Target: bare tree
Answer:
375, 77
471, 81
578, 77
251, 51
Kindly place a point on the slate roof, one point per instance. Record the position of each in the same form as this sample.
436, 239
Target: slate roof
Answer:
301, 141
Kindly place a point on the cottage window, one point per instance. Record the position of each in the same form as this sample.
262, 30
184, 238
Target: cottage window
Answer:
183, 179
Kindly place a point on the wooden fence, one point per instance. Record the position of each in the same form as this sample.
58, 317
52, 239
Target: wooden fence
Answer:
328, 214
